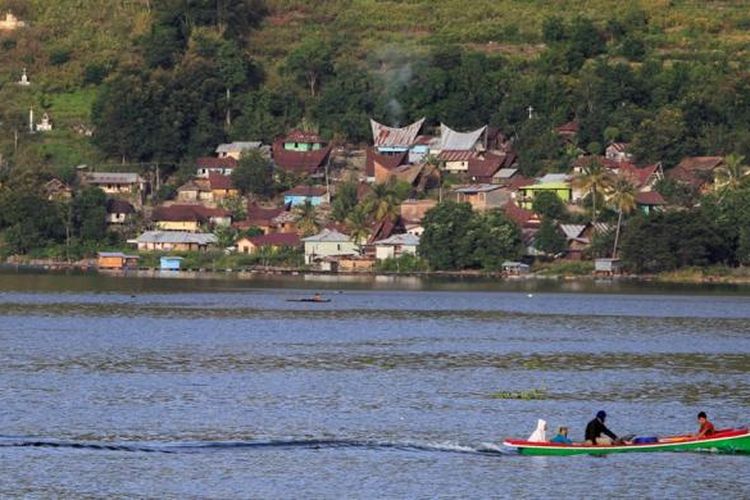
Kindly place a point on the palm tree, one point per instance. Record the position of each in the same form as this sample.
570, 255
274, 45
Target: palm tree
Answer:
594, 178
307, 221
732, 173
621, 196
383, 202
358, 225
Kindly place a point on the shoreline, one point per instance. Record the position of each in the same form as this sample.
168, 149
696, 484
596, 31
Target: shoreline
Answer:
689, 276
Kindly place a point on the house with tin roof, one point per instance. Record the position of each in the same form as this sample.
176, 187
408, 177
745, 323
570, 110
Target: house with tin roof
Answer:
178, 241
273, 241
235, 149
328, 243
302, 194
395, 246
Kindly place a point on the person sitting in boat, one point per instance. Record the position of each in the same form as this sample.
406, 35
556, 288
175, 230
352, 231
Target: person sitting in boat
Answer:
540, 434
596, 428
562, 436
706, 427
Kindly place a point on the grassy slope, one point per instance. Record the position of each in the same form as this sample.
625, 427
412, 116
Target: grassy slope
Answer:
103, 31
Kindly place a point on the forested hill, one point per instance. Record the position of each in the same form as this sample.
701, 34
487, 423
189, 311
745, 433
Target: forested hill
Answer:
163, 81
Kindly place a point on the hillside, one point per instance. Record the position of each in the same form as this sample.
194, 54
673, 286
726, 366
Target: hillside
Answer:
72, 48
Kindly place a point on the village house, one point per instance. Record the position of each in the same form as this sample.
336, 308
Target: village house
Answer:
453, 140
274, 241
555, 183
696, 171
483, 197
396, 246
174, 241
115, 183
189, 218
397, 140
268, 220
302, 194
313, 163
328, 243
235, 149
491, 168
456, 161
607, 267
514, 268
119, 211
197, 190
221, 187
300, 141
116, 261
208, 164
580, 236
378, 167
618, 151
57, 190
649, 201
568, 131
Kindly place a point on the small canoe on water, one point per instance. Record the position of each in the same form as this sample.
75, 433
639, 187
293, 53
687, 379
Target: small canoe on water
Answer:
723, 441
308, 300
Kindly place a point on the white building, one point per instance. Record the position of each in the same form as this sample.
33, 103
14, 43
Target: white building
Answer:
396, 246
327, 243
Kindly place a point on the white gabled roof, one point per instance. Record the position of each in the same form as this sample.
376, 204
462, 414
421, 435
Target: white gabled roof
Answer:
328, 235
459, 141
400, 239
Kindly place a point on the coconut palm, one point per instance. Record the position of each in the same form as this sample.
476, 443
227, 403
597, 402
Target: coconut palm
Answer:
594, 178
732, 173
307, 219
358, 225
621, 196
383, 202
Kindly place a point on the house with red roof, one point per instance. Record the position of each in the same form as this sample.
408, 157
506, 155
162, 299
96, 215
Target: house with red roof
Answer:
302, 141
209, 164
221, 187
379, 166
696, 171
303, 163
268, 219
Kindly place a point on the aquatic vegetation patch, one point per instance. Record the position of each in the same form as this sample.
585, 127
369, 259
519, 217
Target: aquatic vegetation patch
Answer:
527, 395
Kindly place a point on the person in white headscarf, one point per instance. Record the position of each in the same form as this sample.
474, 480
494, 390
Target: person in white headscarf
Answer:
540, 434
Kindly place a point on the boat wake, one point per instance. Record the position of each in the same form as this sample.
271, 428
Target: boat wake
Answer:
251, 445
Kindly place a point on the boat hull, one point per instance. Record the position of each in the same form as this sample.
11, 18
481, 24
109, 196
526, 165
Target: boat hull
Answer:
734, 441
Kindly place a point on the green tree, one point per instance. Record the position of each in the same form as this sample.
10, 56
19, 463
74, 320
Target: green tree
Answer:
594, 179
311, 62
90, 214
492, 239
732, 173
345, 200
307, 219
445, 230
358, 225
661, 138
548, 204
548, 238
621, 196
254, 174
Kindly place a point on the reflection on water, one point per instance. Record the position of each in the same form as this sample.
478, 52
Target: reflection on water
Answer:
223, 388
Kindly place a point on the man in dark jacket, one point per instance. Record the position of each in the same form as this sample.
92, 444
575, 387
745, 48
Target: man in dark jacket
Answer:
596, 428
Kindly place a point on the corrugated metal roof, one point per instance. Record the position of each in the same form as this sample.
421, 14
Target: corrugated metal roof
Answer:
549, 178
385, 136
456, 155
478, 188
572, 231
112, 178
452, 139
176, 237
238, 146
505, 173
328, 235
400, 239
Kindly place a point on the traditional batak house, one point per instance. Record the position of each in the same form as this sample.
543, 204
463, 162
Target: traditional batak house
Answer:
618, 151
396, 140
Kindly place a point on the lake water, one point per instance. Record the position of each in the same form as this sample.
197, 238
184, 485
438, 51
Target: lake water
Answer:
223, 388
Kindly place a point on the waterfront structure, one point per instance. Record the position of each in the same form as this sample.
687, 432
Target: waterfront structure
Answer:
116, 261
170, 263
274, 241
396, 245
327, 243
178, 241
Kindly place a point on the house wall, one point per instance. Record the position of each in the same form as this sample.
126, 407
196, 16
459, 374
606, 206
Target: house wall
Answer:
456, 166
168, 264
528, 193
383, 252
220, 194
110, 262
325, 249
116, 188
302, 146
300, 200
187, 195
350, 265
246, 246
116, 218
177, 247
167, 225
